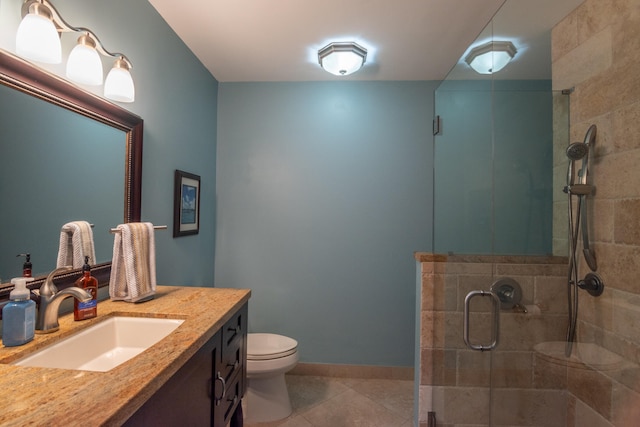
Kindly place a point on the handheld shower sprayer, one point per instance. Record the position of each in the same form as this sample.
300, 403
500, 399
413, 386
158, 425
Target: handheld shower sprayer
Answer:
579, 151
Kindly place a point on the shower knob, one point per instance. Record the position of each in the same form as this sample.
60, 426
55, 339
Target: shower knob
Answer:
593, 284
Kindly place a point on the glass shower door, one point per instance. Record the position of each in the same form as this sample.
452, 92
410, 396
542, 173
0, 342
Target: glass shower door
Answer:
493, 218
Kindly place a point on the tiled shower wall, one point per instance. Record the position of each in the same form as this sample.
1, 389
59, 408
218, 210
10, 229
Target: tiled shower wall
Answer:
596, 50
454, 381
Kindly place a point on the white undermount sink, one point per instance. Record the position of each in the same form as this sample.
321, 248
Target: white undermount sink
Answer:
104, 345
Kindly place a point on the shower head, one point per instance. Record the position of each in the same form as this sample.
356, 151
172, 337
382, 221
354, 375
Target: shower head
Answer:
577, 151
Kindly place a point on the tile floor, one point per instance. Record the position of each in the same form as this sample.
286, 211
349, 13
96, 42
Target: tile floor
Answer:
347, 402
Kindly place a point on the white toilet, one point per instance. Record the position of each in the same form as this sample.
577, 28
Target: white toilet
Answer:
269, 357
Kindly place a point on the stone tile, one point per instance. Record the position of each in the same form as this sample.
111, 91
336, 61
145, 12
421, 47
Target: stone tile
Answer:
586, 416
474, 368
352, 409
592, 388
549, 374
551, 294
626, 224
626, 406
564, 37
530, 270
306, 392
439, 367
512, 369
626, 126
586, 60
464, 406
594, 16
602, 220
529, 408
396, 396
618, 264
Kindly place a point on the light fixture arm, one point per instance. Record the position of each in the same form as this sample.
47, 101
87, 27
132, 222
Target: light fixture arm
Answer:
64, 27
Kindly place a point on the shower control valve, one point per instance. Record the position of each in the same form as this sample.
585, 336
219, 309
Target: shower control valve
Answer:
593, 284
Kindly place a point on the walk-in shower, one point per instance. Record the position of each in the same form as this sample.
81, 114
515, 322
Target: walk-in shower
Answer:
581, 189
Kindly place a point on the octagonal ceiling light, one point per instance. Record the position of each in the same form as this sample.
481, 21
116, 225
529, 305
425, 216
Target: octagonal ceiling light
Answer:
342, 58
491, 57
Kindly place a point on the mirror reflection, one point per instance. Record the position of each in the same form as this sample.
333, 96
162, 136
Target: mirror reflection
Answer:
89, 147
56, 167
494, 190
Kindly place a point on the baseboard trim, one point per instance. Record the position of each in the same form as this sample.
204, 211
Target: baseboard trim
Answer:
353, 371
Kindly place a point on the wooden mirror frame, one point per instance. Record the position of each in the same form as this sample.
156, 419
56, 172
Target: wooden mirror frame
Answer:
21, 75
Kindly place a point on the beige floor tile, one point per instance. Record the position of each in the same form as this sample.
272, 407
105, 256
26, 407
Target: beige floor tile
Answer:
340, 402
397, 396
352, 409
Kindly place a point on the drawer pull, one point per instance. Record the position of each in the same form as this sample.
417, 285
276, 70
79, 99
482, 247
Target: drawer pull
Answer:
237, 329
234, 364
224, 388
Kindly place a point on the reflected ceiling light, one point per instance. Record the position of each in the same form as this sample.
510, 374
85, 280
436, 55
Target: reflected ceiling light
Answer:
491, 57
342, 59
84, 65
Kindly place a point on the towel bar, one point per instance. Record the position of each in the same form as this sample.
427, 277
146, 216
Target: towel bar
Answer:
155, 227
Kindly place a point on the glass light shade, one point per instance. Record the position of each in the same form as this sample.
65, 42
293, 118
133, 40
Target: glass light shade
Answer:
38, 40
84, 65
342, 59
119, 85
491, 57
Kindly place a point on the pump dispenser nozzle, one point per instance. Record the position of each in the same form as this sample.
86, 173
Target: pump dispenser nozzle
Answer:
27, 266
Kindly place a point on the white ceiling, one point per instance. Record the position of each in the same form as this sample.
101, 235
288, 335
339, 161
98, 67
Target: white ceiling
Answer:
278, 40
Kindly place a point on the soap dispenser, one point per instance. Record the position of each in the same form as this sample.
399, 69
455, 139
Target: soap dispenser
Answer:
89, 309
27, 266
18, 315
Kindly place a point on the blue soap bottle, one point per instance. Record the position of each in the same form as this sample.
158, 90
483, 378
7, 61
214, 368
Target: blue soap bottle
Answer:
18, 315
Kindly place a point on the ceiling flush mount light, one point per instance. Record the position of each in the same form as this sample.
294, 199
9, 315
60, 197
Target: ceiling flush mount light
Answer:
342, 59
38, 39
491, 57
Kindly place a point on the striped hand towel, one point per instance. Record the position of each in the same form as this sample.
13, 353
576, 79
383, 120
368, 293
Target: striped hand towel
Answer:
76, 242
133, 268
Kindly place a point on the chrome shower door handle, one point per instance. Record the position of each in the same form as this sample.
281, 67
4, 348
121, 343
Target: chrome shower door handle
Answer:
495, 324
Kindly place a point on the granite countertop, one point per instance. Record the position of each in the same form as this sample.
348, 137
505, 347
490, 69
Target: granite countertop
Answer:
47, 396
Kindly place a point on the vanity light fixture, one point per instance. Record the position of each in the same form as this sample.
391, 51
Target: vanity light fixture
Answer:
38, 39
491, 57
342, 58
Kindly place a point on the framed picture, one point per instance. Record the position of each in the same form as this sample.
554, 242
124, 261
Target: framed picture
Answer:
186, 201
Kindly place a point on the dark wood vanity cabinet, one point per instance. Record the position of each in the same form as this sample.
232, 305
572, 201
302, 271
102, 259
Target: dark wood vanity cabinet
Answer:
208, 389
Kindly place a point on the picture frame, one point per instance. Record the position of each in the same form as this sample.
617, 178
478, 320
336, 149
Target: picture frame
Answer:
186, 204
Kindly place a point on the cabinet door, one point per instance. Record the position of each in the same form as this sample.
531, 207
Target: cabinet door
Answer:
231, 369
184, 400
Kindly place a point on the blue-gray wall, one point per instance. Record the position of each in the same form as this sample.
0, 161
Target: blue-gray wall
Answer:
493, 171
324, 193
177, 98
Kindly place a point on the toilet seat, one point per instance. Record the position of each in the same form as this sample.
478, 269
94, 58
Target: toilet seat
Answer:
269, 346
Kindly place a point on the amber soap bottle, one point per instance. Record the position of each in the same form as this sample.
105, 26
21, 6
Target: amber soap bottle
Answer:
89, 309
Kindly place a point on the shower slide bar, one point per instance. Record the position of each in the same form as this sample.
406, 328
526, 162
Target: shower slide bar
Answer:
495, 330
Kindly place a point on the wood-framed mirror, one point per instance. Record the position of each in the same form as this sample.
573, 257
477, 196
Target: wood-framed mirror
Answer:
29, 79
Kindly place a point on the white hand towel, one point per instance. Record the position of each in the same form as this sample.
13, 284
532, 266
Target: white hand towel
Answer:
76, 242
133, 268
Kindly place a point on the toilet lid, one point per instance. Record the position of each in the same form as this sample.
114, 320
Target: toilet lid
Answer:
269, 346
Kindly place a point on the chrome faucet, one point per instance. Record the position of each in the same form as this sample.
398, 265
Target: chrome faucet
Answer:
50, 300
